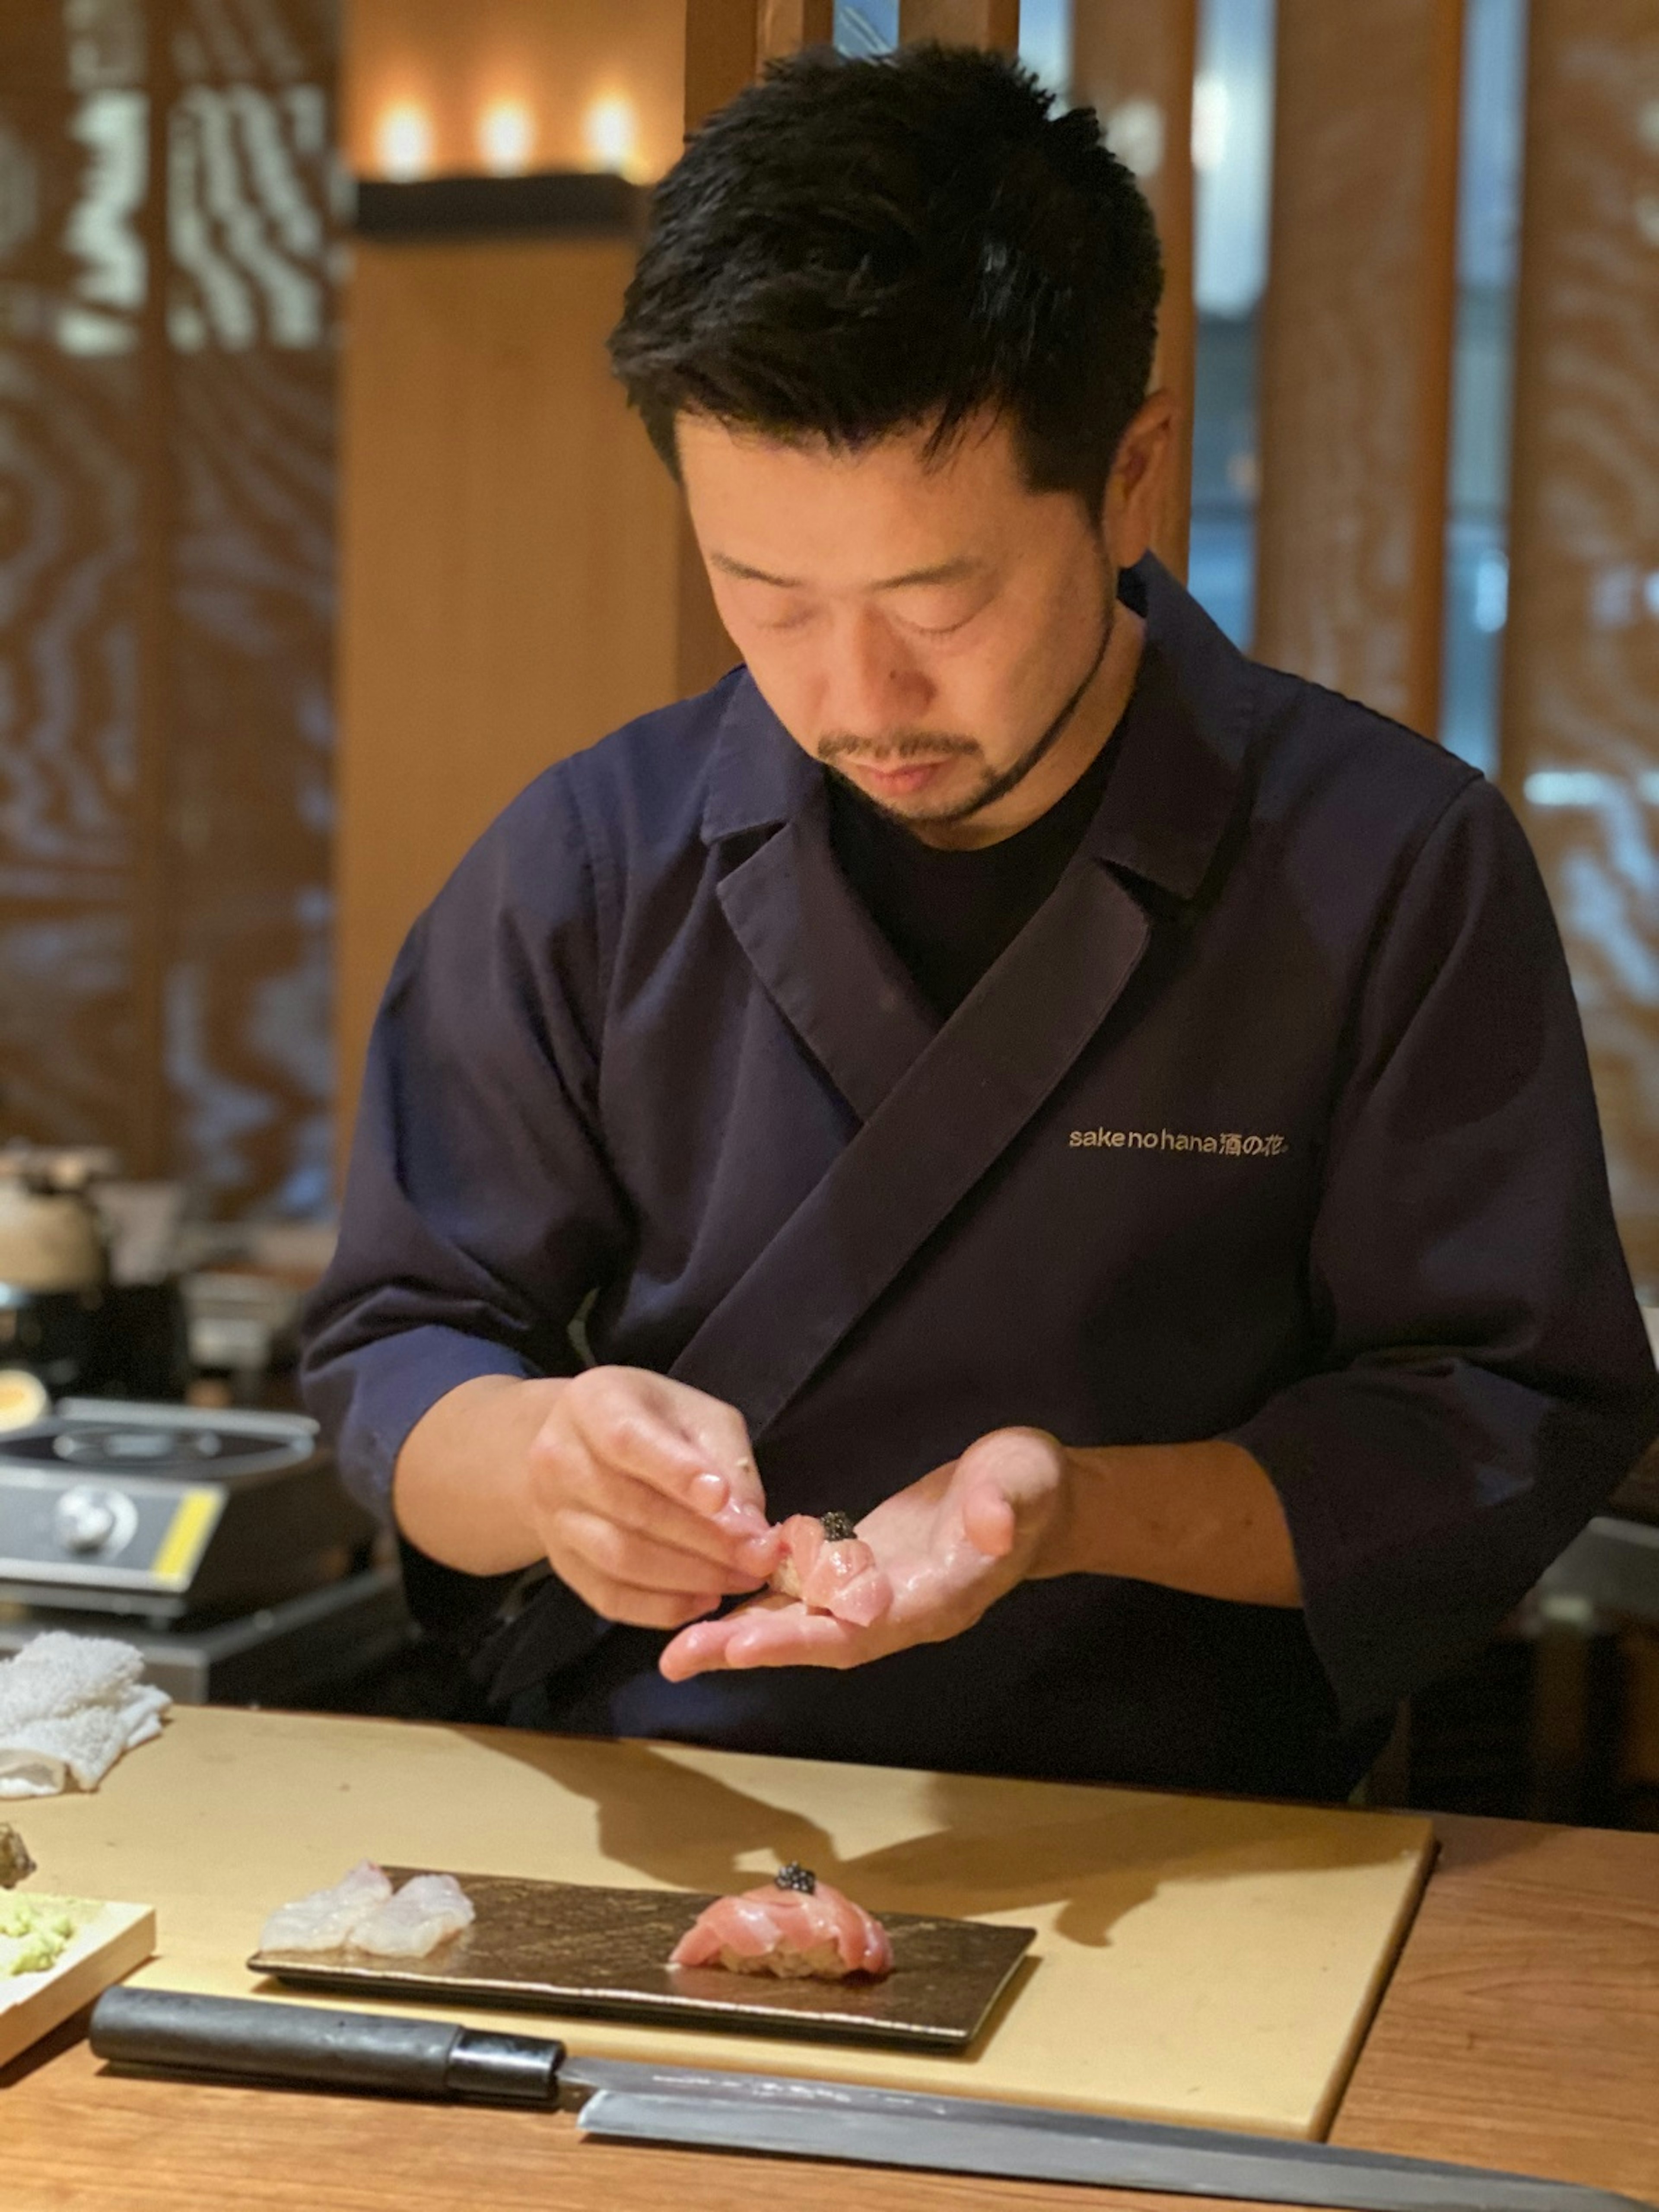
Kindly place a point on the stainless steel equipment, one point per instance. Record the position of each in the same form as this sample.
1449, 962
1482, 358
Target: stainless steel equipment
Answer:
170, 1511
220, 1543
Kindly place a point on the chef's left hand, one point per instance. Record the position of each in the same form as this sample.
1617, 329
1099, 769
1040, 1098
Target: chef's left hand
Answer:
951, 1545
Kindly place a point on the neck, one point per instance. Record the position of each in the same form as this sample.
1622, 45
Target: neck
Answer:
1098, 711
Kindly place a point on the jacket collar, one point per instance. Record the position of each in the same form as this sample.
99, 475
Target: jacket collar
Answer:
1176, 782
1170, 795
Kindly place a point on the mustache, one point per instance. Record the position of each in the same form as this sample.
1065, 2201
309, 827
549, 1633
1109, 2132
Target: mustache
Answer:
904, 745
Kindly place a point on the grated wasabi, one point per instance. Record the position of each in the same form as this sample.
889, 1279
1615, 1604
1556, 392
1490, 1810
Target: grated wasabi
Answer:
34, 1933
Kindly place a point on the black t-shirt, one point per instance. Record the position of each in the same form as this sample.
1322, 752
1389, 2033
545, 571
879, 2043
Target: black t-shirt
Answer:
950, 914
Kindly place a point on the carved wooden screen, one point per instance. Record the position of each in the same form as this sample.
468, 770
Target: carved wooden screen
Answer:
166, 363
1580, 679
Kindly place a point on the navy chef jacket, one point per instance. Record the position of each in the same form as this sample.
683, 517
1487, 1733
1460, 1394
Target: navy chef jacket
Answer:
1273, 1123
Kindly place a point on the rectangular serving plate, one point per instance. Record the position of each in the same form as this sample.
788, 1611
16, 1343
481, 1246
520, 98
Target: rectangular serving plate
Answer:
574, 1948
109, 1942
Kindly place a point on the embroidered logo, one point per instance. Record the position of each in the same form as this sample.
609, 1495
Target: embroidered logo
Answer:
1231, 1143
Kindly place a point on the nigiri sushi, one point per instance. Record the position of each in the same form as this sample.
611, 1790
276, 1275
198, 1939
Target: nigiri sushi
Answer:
323, 1919
796, 1927
428, 1908
830, 1569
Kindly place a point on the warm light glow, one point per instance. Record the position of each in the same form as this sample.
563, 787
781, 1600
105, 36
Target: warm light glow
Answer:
611, 129
403, 141
506, 138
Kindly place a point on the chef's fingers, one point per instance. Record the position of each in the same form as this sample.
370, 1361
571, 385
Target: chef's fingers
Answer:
988, 1519
766, 1635
791, 1637
637, 1608
643, 1424
728, 1539
624, 1556
1004, 1475
724, 1434
703, 1647
693, 1651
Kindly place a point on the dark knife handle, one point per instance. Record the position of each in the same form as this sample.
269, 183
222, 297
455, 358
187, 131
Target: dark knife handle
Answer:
314, 2047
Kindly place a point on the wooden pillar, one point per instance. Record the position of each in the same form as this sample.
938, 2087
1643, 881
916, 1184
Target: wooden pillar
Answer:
786, 26
722, 52
1133, 61
1356, 348
1581, 668
727, 42
994, 23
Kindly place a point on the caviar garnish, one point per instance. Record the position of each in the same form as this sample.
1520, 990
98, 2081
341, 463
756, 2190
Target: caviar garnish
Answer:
796, 1877
838, 1527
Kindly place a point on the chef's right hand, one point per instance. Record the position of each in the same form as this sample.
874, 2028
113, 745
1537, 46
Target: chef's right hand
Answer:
643, 1495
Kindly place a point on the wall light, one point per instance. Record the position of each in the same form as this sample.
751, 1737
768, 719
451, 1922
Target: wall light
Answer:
403, 141
506, 138
611, 130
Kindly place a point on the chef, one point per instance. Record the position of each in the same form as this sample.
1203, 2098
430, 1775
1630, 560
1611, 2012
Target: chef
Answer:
1110, 1118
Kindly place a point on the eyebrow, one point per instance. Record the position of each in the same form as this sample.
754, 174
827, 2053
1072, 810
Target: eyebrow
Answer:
943, 572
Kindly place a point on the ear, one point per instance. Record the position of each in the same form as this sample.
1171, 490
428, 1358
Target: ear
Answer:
1135, 487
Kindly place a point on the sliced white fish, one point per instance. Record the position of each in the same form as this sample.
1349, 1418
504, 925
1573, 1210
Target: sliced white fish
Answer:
427, 1909
324, 1920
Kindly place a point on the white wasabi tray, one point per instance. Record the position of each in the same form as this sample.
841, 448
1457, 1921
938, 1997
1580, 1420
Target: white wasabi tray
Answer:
110, 1939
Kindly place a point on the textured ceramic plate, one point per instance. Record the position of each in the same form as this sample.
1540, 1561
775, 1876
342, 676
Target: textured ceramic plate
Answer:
572, 1948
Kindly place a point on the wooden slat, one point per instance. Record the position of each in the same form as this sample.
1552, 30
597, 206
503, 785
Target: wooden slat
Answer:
1581, 667
1356, 348
727, 44
1133, 60
786, 26
722, 52
994, 23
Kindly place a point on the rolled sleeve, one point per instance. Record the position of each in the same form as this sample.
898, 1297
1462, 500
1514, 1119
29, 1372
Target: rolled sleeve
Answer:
479, 1210
1485, 1379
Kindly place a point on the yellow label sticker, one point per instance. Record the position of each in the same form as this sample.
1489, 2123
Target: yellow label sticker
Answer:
192, 1523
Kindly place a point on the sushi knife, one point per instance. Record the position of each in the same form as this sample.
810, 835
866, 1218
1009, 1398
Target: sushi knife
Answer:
310, 2046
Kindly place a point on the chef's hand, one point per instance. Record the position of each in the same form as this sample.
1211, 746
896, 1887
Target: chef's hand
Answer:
951, 1545
644, 1497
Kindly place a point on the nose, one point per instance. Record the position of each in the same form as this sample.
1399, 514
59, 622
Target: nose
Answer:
871, 684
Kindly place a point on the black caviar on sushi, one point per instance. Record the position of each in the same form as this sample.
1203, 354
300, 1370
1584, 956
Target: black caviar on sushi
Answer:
838, 1527
794, 1876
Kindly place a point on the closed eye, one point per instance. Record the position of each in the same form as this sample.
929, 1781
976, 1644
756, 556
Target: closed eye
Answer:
946, 623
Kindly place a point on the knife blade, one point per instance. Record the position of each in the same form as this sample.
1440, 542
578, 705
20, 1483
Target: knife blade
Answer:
627, 2100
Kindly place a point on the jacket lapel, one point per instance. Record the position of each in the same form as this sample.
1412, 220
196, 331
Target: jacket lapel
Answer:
940, 1106
826, 966
949, 1117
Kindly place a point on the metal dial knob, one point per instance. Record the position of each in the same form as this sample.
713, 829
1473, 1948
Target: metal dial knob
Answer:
87, 1520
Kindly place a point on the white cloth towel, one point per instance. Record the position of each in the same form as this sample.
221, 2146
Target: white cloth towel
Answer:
69, 1705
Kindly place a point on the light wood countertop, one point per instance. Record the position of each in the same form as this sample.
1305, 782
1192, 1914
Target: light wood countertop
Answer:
1520, 2029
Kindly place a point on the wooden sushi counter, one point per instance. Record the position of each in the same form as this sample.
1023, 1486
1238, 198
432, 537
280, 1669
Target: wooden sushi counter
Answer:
1218, 1962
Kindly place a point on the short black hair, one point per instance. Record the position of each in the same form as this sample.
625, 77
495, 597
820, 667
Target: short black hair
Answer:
852, 248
